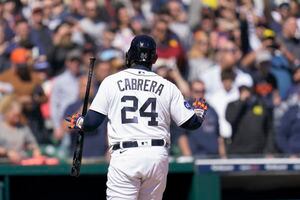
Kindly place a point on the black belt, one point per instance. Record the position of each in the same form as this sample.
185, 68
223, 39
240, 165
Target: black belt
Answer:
130, 144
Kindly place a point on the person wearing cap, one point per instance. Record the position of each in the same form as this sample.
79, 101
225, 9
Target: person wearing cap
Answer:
65, 90
265, 83
20, 75
280, 67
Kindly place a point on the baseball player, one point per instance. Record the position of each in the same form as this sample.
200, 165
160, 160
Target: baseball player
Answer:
139, 105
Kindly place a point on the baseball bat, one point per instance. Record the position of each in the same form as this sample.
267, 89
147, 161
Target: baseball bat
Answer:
75, 171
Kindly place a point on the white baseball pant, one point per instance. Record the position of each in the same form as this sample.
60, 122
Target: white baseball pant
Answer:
138, 173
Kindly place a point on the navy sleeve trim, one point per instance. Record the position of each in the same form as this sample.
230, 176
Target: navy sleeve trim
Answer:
92, 120
193, 123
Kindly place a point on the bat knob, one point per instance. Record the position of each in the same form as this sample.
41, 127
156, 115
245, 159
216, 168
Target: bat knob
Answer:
74, 172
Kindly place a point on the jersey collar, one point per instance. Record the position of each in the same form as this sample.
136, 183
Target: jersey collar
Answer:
141, 67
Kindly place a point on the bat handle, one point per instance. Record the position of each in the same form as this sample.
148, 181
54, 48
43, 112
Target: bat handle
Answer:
75, 170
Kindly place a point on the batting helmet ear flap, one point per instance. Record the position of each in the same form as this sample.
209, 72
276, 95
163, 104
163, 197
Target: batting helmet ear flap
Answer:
154, 59
127, 62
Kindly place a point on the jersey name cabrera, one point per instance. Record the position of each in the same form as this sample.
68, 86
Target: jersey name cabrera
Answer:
139, 105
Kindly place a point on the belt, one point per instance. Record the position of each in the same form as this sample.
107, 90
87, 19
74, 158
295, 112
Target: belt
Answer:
139, 143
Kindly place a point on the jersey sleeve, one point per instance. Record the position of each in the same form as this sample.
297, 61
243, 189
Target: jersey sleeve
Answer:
100, 103
180, 110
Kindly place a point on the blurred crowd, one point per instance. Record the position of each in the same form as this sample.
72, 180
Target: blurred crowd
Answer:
243, 56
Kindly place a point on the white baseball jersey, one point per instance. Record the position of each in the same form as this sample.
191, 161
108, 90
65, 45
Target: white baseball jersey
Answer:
139, 105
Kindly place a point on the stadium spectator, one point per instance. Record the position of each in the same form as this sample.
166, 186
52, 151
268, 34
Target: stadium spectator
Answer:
124, 33
8, 30
108, 38
227, 58
208, 21
178, 22
16, 138
20, 75
76, 9
280, 65
291, 99
102, 70
22, 36
88, 52
290, 42
57, 13
40, 34
252, 127
65, 91
4, 57
10, 12
198, 55
278, 15
265, 83
295, 88
32, 110
220, 99
91, 24
174, 76
139, 22
204, 140
169, 49
287, 135
62, 41
294, 5
47, 14
95, 142
227, 20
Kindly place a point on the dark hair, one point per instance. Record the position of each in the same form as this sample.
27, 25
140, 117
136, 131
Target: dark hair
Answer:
21, 20
228, 74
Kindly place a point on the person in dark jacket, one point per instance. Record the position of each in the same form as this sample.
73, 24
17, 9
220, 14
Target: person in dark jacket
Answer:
251, 122
288, 134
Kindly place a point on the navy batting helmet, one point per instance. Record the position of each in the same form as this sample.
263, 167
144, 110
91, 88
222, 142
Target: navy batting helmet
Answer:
142, 51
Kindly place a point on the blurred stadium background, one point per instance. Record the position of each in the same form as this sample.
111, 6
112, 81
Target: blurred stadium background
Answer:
243, 56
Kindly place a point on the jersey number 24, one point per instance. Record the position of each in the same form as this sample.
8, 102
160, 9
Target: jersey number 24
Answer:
149, 102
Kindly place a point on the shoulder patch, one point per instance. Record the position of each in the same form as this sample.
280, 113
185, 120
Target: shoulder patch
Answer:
187, 105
